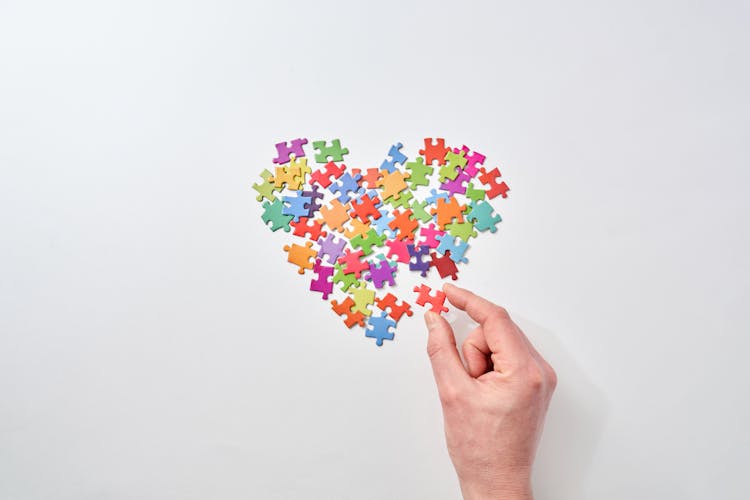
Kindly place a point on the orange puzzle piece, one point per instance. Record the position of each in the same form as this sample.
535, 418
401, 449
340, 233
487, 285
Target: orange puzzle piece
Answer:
336, 215
447, 211
301, 255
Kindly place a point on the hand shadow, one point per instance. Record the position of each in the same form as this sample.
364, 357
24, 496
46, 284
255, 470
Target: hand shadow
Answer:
576, 417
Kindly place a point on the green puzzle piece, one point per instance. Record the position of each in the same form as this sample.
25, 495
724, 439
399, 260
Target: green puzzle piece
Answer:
366, 244
419, 211
266, 188
346, 280
419, 172
475, 194
463, 230
272, 213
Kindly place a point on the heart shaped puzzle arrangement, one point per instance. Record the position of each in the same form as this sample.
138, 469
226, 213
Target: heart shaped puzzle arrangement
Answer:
374, 209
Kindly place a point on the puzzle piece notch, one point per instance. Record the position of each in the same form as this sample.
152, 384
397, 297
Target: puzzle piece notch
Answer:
397, 310
436, 301
301, 256
380, 328
346, 310
285, 149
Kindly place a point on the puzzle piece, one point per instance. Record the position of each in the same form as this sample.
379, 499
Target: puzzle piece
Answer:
288, 176
481, 214
403, 201
454, 162
434, 151
457, 185
420, 212
365, 207
366, 243
266, 188
345, 310
475, 194
403, 224
322, 283
418, 172
463, 230
436, 196
346, 280
300, 164
397, 310
444, 265
324, 178
395, 157
273, 213
357, 228
491, 179
331, 248
326, 153
392, 183
336, 215
380, 327
363, 298
347, 186
448, 211
306, 226
398, 250
301, 255
296, 206
285, 149
382, 224
315, 198
382, 272
430, 233
417, 255
457, 250
351, 263
473, 160
437, 300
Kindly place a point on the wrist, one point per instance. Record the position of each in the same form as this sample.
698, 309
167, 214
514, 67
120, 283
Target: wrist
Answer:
516, 490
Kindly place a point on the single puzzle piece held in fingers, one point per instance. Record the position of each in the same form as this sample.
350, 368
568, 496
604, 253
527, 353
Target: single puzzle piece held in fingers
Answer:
436, 301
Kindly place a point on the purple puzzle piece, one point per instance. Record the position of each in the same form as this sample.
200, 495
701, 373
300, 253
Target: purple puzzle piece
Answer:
314, 196
381, 273
331, 247
323, 283
456, 186
284, 149
417, 262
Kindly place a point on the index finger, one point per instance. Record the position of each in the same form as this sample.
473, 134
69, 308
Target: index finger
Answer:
501, 333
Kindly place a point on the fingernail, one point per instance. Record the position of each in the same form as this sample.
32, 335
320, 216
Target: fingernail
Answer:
447, 286
430, 318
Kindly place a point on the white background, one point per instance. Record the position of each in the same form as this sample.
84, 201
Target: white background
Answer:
154, 343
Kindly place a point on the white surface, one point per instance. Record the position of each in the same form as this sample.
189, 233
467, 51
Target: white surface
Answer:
155, 344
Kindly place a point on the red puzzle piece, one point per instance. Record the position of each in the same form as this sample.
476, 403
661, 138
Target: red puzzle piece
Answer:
437, 301
302, 228
324, 178
365, 208
353, 262
445, 265
397, 310
434, 151
491, 179
344, 310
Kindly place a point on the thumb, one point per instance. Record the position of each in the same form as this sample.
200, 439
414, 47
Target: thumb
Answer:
441, 348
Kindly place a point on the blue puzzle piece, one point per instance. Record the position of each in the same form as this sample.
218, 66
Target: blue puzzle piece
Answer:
395, 156
435, 195
380, 328
296, 206
380, 225
347, 187
481, 215
457, 250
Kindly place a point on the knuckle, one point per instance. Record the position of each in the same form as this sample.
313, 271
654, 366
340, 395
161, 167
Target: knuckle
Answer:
450, 396
552, 377
434, 349
499, 313
535, 378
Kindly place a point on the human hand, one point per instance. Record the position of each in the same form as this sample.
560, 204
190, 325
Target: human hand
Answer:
493, 409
